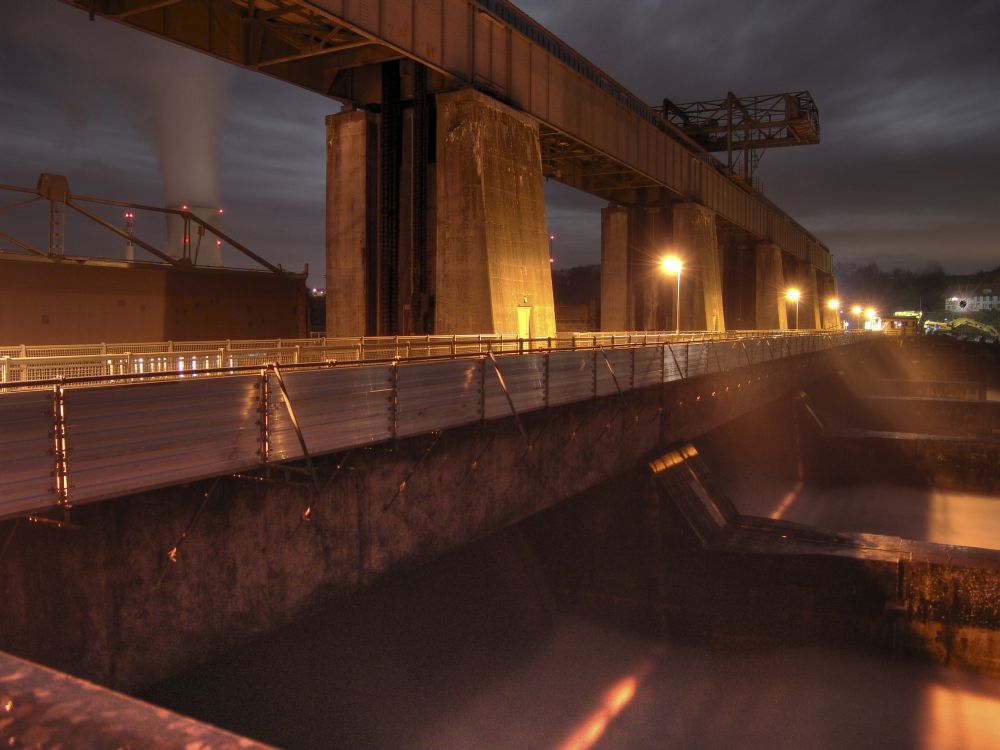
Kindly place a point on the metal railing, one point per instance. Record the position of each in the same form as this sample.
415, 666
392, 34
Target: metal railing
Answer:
78, 440
21, 365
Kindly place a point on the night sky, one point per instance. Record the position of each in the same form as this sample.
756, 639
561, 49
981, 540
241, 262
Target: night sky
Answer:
907, 173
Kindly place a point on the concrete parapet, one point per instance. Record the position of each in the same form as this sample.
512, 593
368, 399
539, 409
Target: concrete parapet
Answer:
349, 188
701, 288
492, 273
770, 292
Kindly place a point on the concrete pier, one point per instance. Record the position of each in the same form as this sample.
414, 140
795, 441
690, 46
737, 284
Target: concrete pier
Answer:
614, 269
770, 293
349, 235
493, 273
826, 288
696, 242
802, 275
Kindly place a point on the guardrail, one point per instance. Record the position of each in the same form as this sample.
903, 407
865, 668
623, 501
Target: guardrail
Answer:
79, 440
23, 363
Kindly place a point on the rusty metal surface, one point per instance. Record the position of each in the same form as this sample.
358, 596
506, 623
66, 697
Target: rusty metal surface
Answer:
42, 708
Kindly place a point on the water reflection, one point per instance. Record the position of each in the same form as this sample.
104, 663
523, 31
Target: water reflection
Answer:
470, 652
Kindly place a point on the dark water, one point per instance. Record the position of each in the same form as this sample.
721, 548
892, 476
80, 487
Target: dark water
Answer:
471, 652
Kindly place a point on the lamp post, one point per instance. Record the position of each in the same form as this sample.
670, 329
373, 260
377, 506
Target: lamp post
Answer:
871, 314
834, 304
857, 315
674, 265
792, 295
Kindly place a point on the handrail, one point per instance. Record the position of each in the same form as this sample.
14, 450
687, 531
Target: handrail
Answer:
126, 433
24, 367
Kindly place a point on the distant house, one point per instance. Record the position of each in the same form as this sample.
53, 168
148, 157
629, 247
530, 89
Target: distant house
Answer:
986, 297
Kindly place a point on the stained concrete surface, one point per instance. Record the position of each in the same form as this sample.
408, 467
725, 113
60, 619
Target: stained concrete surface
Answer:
470, 652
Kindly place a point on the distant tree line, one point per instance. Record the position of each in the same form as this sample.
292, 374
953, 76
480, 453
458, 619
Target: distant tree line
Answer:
858, 283
904, 289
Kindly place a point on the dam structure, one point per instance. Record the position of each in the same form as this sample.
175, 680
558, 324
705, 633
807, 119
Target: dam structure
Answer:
220, 524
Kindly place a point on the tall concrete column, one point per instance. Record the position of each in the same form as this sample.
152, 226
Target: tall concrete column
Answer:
738, 285
614, 269
696, 240
770, 288
350, 236
649, 234
827, 286
492, 270
802, 276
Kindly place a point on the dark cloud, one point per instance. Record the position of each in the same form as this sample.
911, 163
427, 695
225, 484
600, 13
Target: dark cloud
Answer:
907, 168
906, 172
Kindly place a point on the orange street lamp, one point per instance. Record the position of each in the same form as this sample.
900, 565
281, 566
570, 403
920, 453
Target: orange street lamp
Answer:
674, 265
793, 295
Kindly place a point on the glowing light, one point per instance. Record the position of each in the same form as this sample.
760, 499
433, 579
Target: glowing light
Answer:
672, 264
787, 501
614, 701
957, 717
833, 304
551, 237
793, 295
870, 313
856, 309
220, 211
184, 207
552, 260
